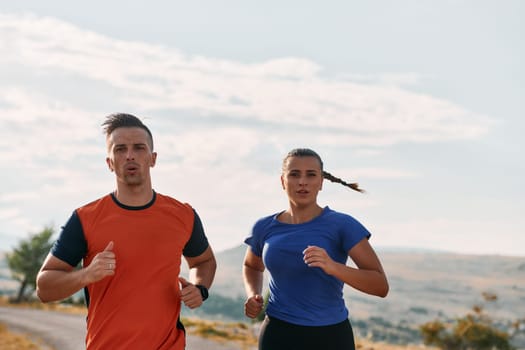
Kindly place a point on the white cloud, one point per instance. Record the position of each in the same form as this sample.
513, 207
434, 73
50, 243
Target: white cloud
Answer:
380, 173
9, 213
217, 123
454, 235
288, 93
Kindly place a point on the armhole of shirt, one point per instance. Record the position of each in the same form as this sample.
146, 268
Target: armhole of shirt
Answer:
71, 245
354, 232
198, 242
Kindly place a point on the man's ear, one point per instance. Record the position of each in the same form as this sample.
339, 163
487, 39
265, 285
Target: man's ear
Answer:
110, 165
153, 159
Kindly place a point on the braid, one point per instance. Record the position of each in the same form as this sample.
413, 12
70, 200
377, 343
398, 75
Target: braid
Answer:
330, 177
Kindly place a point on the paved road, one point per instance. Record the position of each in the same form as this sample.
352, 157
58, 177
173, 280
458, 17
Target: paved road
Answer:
64, 331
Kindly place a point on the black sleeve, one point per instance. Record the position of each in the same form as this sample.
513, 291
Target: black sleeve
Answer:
198, 242
71, 245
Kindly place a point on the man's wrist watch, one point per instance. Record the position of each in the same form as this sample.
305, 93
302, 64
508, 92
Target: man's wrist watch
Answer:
204, 291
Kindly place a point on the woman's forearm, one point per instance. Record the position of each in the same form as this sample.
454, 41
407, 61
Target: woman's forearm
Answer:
368, 281
253, 280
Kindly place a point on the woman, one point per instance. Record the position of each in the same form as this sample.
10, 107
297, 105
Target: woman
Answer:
305, 249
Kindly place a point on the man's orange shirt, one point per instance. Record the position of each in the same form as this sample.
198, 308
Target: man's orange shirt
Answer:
139, 306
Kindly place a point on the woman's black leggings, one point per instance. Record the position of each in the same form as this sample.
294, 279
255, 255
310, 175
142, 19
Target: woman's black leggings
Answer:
280, 335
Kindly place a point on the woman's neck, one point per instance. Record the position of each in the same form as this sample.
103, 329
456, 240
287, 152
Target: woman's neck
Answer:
299, 215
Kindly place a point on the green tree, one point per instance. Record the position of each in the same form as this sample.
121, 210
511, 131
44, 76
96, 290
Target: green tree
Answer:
26, 259
476, 330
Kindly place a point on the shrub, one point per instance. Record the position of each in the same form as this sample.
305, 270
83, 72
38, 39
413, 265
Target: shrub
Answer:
475, 330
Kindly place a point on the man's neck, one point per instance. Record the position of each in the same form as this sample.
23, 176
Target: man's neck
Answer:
134, 196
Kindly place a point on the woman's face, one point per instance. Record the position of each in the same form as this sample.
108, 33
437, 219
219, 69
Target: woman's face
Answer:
302, 179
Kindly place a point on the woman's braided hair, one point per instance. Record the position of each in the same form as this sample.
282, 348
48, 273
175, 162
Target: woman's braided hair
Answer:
306, 152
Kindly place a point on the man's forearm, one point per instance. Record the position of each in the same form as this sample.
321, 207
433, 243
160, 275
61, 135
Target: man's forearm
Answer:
55, 285
204, 273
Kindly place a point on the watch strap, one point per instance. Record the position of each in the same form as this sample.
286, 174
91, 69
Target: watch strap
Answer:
203, 290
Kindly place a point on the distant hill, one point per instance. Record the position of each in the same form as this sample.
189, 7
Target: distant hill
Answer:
422, 284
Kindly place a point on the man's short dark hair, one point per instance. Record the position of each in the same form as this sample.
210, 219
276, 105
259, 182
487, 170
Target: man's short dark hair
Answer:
124, 120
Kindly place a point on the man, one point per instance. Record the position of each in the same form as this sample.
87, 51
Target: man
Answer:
131, 243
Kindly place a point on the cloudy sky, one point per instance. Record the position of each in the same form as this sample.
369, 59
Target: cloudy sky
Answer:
421, 102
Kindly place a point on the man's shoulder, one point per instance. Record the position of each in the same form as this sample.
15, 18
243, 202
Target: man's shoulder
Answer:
95, 203
163, 199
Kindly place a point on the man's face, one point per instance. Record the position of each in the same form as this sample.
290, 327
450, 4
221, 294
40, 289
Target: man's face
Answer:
130, 155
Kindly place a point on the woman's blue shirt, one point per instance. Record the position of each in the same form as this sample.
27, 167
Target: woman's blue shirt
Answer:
300, 294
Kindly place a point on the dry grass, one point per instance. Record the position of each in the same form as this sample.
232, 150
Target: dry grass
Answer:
15, 341
362, 344
238, 332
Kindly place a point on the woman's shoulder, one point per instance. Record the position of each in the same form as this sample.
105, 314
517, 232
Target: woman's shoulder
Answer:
266, 220
261, 228
332, 214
